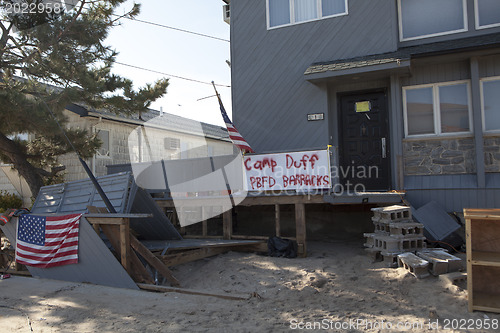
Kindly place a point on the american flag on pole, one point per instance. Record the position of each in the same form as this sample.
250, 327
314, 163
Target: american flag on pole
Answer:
47, 241
234, 135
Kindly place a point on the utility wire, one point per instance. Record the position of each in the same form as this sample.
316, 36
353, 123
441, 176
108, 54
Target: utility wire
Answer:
173, 28
175, 76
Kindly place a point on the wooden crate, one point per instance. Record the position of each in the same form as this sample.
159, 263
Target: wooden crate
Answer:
483, 259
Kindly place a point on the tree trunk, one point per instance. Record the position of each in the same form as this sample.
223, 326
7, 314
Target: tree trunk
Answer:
21, 164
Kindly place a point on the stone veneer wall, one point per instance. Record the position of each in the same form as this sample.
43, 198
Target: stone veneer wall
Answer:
439, 156
492, 154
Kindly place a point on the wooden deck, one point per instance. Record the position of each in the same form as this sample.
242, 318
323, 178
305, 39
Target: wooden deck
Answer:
183, 204
189, 244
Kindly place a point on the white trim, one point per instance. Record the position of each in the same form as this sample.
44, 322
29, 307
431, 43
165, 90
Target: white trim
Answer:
401, 39
108, 154
476, 14
292, 15
481, 94
436, 109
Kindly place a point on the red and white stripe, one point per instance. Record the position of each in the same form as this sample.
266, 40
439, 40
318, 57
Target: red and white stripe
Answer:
237, 139
61, 244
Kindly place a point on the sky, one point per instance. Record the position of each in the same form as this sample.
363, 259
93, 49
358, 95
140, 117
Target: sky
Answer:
178, 53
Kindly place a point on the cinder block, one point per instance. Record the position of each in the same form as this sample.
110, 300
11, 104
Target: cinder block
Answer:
416, 265
453, 277
440, 262
390, 258
406, 229
391, 244
382, 228
369, 240
392, 213
374, 254
387, 243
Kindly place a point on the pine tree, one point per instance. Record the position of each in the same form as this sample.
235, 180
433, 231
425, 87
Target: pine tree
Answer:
48, 60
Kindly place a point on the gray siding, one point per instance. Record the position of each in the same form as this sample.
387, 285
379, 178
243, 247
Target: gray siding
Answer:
455, 200
271, 99
489, 66
437, 72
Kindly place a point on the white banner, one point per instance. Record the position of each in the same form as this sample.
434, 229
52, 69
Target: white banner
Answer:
305, 170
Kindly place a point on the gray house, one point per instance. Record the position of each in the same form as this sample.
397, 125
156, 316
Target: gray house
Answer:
405, 87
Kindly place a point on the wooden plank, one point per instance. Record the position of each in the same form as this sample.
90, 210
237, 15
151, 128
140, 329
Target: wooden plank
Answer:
227, 224
125, 244
116, 215
277, 216
137, 271
257, 247
153, 260
300, 228
192, 255
14, 272
115, 220
468, 244
204, 223
189, 292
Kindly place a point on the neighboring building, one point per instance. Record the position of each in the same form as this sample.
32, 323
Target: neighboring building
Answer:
170, 137
406, 86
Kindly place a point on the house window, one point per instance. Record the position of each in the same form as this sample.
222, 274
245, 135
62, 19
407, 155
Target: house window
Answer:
286, 12
490, 90
104, 151
437, 109
487, 13
172, 143
428, 18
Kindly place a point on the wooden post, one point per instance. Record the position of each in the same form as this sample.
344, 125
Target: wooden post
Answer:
153, 261
204, 221
180, 216
300, 228
125, 243
277, 215
227, 224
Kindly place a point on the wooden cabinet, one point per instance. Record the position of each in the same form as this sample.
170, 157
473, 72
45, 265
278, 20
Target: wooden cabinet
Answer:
483, 259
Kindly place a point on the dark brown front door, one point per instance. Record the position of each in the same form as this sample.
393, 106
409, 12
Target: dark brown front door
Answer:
364, 142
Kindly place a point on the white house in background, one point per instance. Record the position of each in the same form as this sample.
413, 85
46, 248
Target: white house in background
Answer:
178, 138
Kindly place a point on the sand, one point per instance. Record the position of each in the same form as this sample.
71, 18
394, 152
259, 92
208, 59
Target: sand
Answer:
335, 287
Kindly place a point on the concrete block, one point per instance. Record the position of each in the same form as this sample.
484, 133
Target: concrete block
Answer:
369, 240
395, 244
390, 258
416, 265
406, 229
382, 228
387, 243
374, 254
392, 213
453, 277
440, 262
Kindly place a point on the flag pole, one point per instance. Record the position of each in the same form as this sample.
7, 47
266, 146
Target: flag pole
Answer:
228, 187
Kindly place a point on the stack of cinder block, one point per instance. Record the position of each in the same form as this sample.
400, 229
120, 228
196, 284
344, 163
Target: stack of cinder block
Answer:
401, 242
395, 233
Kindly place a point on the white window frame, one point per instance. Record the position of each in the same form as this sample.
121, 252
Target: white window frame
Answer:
292, 15
400, 23
97, 153
436, 110
481, 91
478, 27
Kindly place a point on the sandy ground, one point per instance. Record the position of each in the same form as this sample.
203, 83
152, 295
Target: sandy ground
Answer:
335, 287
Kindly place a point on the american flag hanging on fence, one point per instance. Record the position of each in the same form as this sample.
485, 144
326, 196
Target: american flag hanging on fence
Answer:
234, 135
47, 241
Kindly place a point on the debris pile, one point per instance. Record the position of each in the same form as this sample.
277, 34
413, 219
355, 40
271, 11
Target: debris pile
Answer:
395, 233
400, 242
